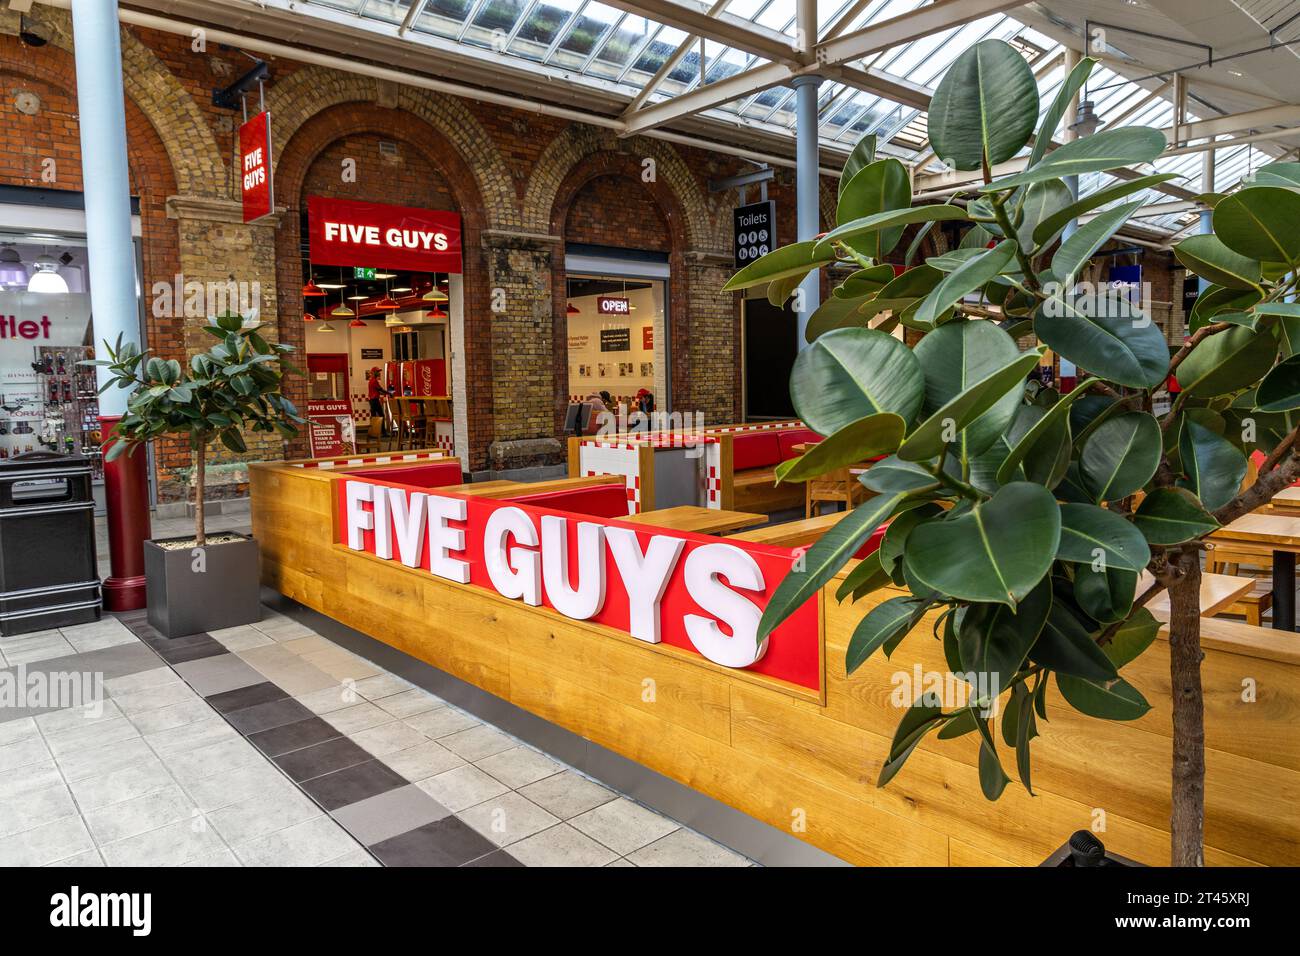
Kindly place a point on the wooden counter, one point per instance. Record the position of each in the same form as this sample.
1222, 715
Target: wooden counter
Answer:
807, 765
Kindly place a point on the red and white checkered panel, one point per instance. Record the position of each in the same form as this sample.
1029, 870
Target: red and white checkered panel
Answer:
712, 474
614, 458
369, 460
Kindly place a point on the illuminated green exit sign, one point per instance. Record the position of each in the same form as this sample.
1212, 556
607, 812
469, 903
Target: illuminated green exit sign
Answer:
359, 272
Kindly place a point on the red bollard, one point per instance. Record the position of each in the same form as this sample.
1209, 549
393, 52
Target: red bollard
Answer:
126, 488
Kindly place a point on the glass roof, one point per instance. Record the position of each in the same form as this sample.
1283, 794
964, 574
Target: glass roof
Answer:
581, 41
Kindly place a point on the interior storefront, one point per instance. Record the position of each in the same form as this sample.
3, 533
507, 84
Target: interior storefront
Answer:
382, 309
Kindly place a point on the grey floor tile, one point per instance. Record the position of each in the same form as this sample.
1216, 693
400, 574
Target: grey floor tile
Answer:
93, 735
561, 845
29, 750
28, 650
215, 675
90, 858
170, 845
388, 738
193, 765
310, 843
621, 861
358, 858
262, 815
234, 786
462, 787
49, 843
508, 818
478, 742
118, 821
141, 680
567, 794
445, 842
154, 698
386, 815
59, 721
222, 857
290, 737
623, 826
244, 697
442, 722
167, 718
342, 787
126, 783
337, 697
519, 766
358, 717
34, 808
381, 686
423, 760
191, 736
685, 847
494, 859
106, 759
267, 716
410, 703
320, 759
12, 731
33, 776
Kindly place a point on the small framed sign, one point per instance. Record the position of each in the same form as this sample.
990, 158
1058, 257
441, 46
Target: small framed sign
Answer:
755, 231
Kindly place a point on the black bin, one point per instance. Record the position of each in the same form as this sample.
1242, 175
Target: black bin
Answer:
48, 574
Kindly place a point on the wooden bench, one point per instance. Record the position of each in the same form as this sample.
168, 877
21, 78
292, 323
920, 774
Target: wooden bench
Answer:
754, 456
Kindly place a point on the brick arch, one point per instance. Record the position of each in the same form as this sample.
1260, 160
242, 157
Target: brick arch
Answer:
191, 148
578, 145
307, 142
299, 97
626, 166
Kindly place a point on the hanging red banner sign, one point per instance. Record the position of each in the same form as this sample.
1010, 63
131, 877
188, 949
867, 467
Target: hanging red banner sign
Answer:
345, 232
255, 167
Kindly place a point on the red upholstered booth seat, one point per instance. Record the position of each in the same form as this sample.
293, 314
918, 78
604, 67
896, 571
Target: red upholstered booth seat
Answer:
872, 543
599, 501
435, 474
795, 436
755, 450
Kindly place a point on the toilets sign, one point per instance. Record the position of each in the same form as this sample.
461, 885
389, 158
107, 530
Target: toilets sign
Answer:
755, 231
345, 232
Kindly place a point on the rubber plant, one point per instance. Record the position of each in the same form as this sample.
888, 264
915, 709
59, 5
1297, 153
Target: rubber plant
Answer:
1023, 516
233, 386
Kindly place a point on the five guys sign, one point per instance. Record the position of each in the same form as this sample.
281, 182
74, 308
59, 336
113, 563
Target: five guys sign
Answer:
348, 233
255, 167
701, 594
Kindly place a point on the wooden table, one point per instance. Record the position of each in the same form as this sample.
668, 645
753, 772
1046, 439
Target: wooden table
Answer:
1286, 502
485, 488
1218, 593
1281, 533
697, 519
792, 534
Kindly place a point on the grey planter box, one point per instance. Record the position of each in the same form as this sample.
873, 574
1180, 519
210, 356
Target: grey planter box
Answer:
226, 593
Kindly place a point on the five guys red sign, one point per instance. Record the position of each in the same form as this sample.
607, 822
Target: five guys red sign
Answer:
701, 594
255, 167
345, 232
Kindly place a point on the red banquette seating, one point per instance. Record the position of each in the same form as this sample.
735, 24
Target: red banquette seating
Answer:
754, 457
599, 501
433, 474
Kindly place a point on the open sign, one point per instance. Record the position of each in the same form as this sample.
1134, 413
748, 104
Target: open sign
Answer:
613, 305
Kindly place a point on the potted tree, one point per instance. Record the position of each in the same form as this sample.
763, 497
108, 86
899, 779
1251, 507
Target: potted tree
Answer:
1024, 516
201, 582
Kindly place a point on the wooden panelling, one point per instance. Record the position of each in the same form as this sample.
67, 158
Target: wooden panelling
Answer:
807, 764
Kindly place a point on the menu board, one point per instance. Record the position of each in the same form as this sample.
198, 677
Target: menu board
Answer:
330, 429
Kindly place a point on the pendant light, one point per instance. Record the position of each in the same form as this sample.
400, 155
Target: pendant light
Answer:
325, 327
434, 294
437, 313
12, 272
311, 290
341, 311
357, 323
308, 317
45, 277
387, 301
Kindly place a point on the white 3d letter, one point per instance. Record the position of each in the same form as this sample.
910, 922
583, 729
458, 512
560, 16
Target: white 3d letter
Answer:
359, 519
586, 600
408, 518
645, 576
443, 539
704, 566
383, 521
518, 575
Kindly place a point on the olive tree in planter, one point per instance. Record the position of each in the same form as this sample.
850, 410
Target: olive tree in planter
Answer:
193, 583
1025, 516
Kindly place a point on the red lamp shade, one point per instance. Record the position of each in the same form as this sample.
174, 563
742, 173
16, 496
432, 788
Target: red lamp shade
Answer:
357, 324
308, 317
572, 310
311, 289
387, 302
437, 313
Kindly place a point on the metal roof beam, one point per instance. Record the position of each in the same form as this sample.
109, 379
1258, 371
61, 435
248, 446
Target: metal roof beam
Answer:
724, 28
932, 18
670, 64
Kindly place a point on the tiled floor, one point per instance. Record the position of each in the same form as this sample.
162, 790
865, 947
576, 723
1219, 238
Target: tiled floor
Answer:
270, 745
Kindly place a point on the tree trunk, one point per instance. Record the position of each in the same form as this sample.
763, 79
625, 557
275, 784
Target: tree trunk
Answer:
1187, 818
200, 456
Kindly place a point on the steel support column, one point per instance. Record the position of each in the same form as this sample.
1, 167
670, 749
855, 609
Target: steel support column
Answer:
807, 182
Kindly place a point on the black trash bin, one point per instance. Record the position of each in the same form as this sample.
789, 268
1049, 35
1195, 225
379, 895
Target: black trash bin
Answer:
48, 574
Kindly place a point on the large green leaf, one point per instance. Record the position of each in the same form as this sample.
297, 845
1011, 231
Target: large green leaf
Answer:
1207, 256
863, 154
1105, 595
1075, 252
1127, 146
824, 559
1046, 230
1067, 646
1040, 428
942, 212
886, 621
994, 640
866, 438
848, 374
869, 575
797, 259
925, 714
1214, 466
1216, 300
1120, 456
953, 358
1110, 700
1260, 223
1074, 81
1226, 362
984, 109
867, 281
1041, 201
1132, 637
966, 279
993, 779
1280, 389
932, 435
1171, 516
995, 552
880, 187
1105, 334
892, 474
837, 313
1276, 174
1090, 534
